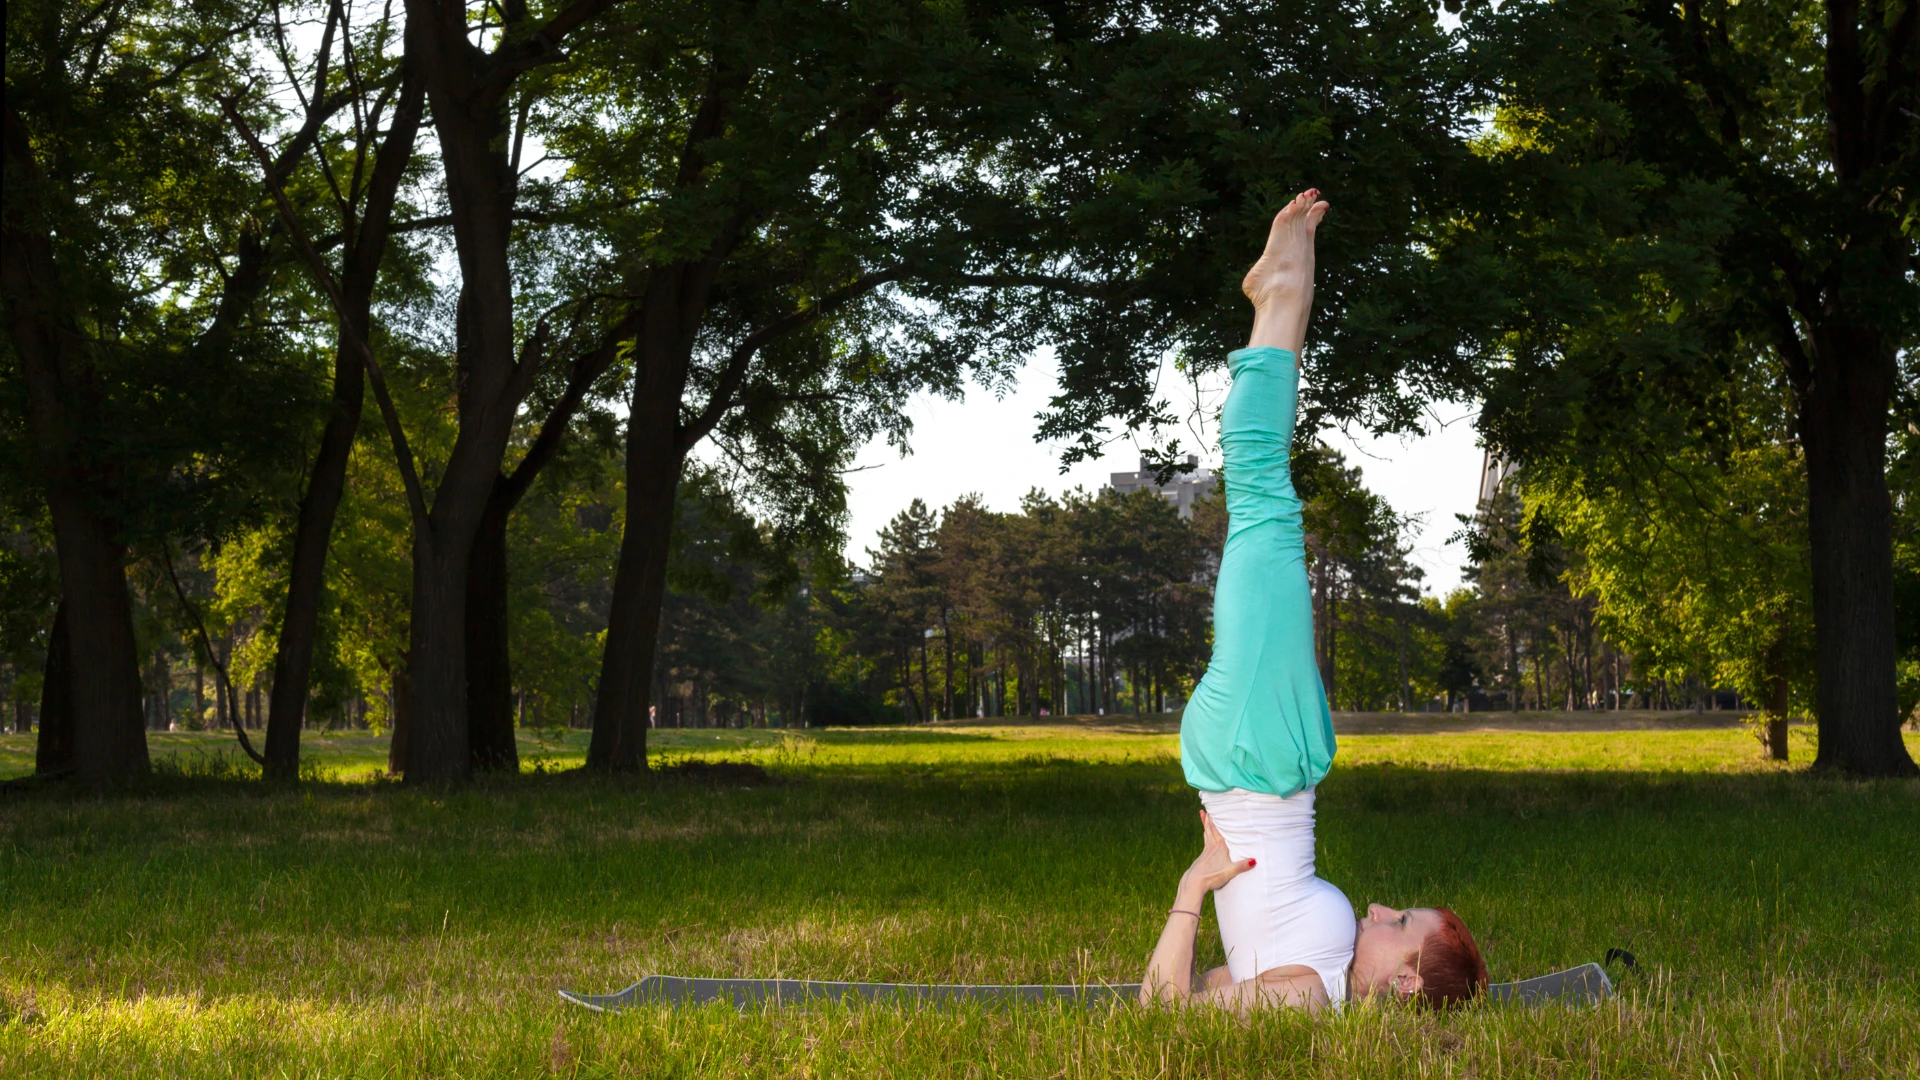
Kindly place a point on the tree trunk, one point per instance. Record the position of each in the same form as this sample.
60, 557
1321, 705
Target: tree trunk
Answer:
108, 736
946, 668
162, 692
1568, 665
489, 673
657, 443
467, 89
619, 742
360, 270
1779, 699
108, 741
926, 699
54, 753
1406, 682
402, 699
489, 657
437, 750
1539, 690
1843, 427
1330, 669
1844, 377
306, 575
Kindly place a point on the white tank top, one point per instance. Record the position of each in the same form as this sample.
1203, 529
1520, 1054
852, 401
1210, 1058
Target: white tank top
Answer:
1280, 913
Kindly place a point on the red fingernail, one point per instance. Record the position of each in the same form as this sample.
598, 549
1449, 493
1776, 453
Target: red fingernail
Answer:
1251, 864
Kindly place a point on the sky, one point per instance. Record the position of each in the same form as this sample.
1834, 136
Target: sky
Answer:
986, 446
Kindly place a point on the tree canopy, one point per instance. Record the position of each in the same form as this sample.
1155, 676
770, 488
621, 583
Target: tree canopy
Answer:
453, 367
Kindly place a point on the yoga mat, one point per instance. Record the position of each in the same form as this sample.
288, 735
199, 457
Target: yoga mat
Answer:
741, 993
1585, 984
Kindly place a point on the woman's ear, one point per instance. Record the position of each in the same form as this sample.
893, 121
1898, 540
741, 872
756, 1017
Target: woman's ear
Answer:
1407, 981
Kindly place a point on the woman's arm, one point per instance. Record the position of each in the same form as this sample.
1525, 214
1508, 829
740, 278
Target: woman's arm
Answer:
1169, 975
1170, 972
1295, 986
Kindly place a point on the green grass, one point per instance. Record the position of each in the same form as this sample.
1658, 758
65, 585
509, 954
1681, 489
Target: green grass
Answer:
354, 927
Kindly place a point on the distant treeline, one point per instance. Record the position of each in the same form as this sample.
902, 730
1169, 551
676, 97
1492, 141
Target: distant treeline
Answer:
1082, 603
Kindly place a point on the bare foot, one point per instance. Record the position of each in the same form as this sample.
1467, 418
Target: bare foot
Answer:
1280, 284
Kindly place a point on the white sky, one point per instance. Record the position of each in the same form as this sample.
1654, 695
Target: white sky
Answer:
987, 446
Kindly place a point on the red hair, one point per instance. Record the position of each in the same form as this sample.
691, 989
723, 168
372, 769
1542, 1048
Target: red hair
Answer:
1451, 969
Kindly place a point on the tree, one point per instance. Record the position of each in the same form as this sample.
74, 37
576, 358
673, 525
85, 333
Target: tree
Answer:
990, 164
907, 597
363, 170
1675, 186
1513, 596
1699, 558
1903, 477
1173, 132
469, 88
809, 174
156, 403
1356, 562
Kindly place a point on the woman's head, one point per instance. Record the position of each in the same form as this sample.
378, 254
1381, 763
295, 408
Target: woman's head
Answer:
1424, 952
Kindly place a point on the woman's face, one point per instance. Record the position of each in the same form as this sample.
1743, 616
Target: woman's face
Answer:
1386, 949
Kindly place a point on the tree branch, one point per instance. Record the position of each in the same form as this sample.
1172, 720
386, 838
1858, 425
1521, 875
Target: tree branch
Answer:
1793, 352
734, 375
402, 450
437, 221
1090, 290
543, 45
533, 356
206, 646
586, 371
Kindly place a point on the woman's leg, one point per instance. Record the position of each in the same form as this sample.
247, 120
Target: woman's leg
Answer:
1259, 720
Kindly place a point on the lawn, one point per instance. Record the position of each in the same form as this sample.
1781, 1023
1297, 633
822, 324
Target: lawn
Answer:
354, 927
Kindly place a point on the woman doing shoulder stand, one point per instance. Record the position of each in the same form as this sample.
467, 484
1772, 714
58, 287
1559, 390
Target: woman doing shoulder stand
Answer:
1257, 735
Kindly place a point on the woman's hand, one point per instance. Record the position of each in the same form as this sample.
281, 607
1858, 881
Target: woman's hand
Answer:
1215, 866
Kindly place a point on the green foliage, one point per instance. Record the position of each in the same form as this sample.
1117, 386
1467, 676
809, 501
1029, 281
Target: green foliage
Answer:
1903, 477
563, 542
1172, 134
1698, 299
1661, 205
1698, 557
1531, 637
29, 593
1373, 639
192, 407
1084, 604
1103, 602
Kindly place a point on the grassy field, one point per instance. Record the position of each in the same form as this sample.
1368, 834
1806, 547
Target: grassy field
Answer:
353, 927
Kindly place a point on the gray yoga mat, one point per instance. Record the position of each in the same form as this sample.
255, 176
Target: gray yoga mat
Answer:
1585, 984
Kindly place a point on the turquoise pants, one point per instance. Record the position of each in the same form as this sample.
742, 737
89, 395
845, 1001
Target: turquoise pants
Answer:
1259, 719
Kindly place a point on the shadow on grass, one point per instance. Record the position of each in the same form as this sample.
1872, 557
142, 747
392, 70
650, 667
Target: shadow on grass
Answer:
1395, 789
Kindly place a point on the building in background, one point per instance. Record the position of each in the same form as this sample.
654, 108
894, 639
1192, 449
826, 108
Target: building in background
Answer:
1182, 490
1494, 471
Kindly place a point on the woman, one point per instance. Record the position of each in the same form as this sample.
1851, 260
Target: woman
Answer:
1257, 736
